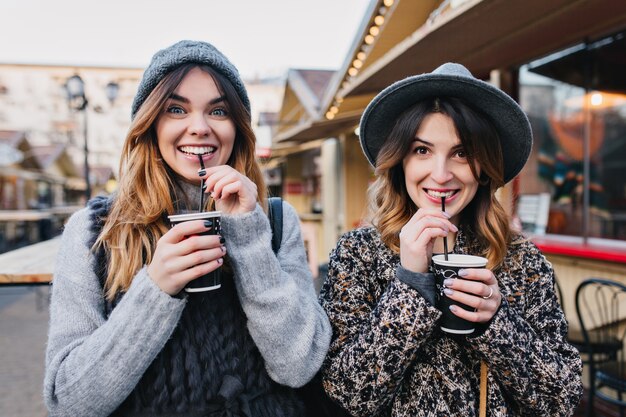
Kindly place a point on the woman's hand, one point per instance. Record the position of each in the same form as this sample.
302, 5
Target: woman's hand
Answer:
478, 289
182, 255
418, 236
232, 191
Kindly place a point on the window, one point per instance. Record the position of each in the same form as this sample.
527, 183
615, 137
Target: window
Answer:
576, 103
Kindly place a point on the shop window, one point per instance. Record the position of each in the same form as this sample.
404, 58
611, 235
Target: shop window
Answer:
576, 102
273, 179
312, 178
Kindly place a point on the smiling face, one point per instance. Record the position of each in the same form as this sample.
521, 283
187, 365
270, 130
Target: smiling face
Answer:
436, 166
195, 121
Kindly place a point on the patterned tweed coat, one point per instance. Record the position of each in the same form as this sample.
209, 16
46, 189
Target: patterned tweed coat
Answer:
389, 358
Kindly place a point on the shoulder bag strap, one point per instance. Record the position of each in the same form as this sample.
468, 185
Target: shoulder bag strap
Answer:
482, 407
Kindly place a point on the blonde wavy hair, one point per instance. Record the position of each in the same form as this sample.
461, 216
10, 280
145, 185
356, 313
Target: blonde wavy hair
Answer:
137, 218
390, 205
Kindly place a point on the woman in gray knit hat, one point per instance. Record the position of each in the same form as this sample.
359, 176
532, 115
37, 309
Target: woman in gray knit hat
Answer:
124, 339
445, 137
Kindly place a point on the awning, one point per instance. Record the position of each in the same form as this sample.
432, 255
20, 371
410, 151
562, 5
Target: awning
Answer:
490, 34
482, 35
602, 61
320, 129
74, 183
21, 173
289, 148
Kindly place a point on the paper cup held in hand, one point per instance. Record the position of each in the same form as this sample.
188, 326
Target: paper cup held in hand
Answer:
212, 280
444, 269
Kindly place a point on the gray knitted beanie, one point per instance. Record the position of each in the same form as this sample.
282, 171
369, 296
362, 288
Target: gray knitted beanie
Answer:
185, 52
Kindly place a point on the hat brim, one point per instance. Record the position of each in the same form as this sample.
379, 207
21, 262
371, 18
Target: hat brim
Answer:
507, 117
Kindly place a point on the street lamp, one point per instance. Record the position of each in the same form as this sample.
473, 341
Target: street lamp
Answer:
111, 90
77, 101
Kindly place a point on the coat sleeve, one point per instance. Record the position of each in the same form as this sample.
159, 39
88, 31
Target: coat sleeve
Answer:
526, 350
94, 362
378, 329
276, 291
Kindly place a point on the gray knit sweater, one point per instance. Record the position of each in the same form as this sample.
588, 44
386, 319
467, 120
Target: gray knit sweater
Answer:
93, 363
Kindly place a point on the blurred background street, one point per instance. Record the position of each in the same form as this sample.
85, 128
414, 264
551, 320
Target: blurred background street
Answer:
23, 330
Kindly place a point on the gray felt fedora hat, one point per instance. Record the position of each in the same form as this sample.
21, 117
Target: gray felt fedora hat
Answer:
449, 80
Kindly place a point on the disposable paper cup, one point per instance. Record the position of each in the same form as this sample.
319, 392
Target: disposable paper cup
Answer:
212, 280
444, 269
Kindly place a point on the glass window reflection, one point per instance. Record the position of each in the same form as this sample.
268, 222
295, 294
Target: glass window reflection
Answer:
576, 103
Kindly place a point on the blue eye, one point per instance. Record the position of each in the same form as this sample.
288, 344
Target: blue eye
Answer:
219, 111
175, 110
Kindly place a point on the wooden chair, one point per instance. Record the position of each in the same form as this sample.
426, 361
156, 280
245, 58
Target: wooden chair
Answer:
601, 311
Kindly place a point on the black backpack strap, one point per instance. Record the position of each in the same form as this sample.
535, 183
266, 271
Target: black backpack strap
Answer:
316, 402
275, 215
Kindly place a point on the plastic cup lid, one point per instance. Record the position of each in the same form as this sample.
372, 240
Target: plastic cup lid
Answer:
194, 216
455, 259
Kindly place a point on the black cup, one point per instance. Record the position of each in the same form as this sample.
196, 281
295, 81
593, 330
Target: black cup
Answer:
444, 269
212, 280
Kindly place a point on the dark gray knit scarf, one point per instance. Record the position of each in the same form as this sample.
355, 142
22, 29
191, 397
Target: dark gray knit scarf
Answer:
210, 366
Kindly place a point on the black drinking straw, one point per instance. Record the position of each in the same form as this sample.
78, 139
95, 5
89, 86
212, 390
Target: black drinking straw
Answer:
202, 186
445, 238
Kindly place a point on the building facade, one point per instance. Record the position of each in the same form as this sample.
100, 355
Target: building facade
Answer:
33, 99
44, 141
561, 60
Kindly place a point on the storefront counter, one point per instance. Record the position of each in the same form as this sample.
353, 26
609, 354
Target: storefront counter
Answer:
576, 247
574, 261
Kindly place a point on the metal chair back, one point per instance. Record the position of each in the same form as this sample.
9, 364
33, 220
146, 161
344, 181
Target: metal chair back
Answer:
601, 311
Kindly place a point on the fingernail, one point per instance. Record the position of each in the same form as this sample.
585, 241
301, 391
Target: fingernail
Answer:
222, 240
220, 261
208, 223
453, 308
448, 282
454, 228
223, 249
462, 272
448, 291
445, 213
204, 187
201, 172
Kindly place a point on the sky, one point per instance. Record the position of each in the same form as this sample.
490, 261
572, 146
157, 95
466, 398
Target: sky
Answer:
261, 37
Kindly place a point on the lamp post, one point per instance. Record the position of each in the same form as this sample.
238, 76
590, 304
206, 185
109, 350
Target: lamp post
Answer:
111, 90
77, 101
75, 88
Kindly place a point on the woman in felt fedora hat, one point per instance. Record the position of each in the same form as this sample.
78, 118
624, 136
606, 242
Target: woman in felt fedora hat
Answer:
445, 135
125, 339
